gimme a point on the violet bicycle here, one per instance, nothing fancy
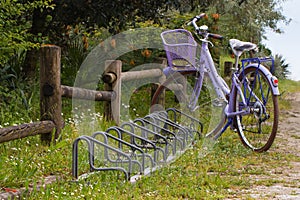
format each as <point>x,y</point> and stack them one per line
<point>249,105</point>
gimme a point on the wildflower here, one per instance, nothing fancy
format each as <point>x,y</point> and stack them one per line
<point>68,28</point>
<point>132,63</point>
<point>216,16</point>
<point>146,53</point>
<point>85,42</point>
<point>76,30</point>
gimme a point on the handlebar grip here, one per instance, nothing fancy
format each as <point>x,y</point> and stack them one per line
<point>215,36</point>
<point>202,15</point>
<point>196,18</point>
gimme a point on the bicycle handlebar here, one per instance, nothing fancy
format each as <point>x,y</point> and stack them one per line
<point>196,19</point>
<point>198,30</point>
<point>215,36</point>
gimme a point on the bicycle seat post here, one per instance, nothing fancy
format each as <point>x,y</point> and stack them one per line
<point>236,64</point>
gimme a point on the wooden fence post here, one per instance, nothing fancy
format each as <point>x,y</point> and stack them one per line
<point>227,68</point>
<point>50,90</point>
<point>112,82</point>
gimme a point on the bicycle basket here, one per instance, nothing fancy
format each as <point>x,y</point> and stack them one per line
<point>180,48</point>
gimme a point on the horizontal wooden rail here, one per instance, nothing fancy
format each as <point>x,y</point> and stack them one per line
<point>133,75</point>
<point>24,130</point>
<point>80,93</point>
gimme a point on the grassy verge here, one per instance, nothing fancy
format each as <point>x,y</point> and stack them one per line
<point>228,167</point>
<point>287,88</point>
<point>193,176</point>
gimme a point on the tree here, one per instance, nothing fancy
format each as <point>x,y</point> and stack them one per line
<point>244,19</point>
<point>14,26</point>
<point>113,15</point>
<point>248,19</point>
<point>281,70</point>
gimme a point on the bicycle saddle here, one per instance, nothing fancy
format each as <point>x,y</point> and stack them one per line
<point>239,47</point>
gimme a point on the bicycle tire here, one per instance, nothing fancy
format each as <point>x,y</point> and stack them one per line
<point>206,112</point>
<point>258,129</point>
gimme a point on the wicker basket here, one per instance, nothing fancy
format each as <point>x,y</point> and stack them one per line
<point>180,48</point>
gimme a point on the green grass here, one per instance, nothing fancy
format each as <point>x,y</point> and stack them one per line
<point>223,170</point>
<point>192,176</point>
<point>287,88</point>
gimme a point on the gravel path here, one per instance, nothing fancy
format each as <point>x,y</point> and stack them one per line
<point>288,173</point>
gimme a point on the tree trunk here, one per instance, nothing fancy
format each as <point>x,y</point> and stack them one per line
<point>32,55</point>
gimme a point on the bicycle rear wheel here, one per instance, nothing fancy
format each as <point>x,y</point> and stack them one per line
<point>178,91</point>
<point>257,130</point>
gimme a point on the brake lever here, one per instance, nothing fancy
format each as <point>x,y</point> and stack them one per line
<point>207,41</point>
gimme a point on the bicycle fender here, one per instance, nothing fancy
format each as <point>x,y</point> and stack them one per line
<point>269,76</point>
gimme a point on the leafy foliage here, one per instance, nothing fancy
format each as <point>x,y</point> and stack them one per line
<point>114,15</point>
<point>25,24</point>
<point>14,25</point>
<point>18,99</point>
<point>281,67</point>
<point>247,20</point>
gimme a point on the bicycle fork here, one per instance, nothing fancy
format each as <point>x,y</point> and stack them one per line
<point>196,91</point>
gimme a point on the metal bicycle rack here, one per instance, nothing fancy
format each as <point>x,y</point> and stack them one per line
<point>138,147</point>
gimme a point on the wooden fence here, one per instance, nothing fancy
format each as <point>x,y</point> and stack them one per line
<point>51,93</point>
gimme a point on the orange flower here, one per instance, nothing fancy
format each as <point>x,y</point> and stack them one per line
<point>146,53</point>
<point>132,62</point>
<point>113,43</point>
<point>85,42</point>
<point>216,16</point>
<point>76,30</point>
<point>68,28</point>
<point>86,46</point>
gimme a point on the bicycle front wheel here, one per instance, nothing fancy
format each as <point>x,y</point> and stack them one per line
<point>257,130</point>
<point>185,92</point>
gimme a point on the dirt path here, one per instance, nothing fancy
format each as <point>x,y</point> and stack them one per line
<point>286,176</point>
